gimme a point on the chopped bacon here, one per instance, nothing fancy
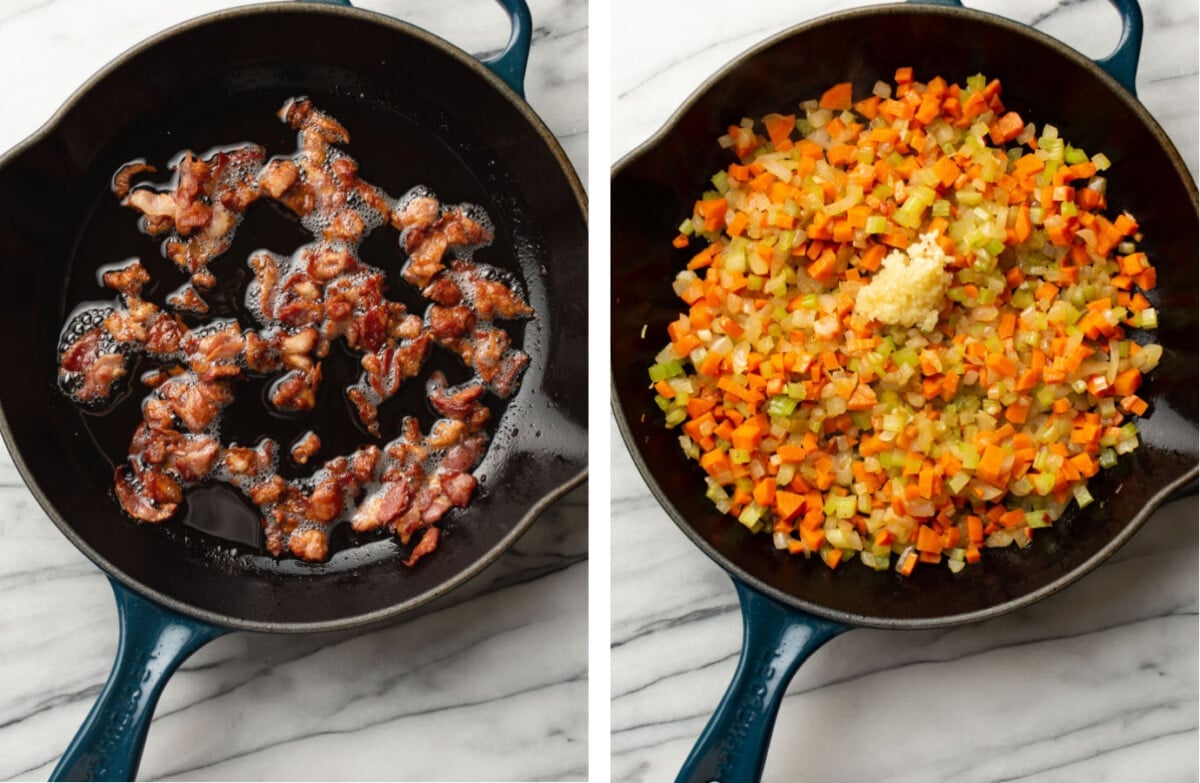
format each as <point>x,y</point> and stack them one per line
<point>322,293</point>
<point>99,377</point>
<point>443,290</point>
<point>419,213</point>
<point>191,401</point>
<point>195,458</point>
<point>296,390</point>
<point>278,176</point>
<point>458,487</point>
<point>326,501</point>
<point>310,544</point>
<point>136,501</point>
<point>427,544</point>
<point>448,323</point>
<point>458,404</point>
<point>304,449</point>
<point>128,279</point>
<point>121,180</point>
<point>494,299</point>
<point>188,300</point>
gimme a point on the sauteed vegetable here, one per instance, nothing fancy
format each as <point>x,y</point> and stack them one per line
<point>908,331</point>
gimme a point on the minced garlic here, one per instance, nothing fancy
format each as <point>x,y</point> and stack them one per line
<point>908,289</point>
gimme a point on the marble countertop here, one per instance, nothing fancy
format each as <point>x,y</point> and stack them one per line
<point>489,683</point>
<point>1098,683</point>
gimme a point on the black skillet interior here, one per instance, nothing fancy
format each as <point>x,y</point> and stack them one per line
<point>654,189</point>
<point>416,115</point>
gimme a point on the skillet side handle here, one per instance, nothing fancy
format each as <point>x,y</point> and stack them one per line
<point>510,64</point>
<point>154,641</point>
<point>1123,62</point>
<point>775,640</point>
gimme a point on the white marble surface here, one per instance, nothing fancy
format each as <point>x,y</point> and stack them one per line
<point>491,684</point>
<point>1098,683</point>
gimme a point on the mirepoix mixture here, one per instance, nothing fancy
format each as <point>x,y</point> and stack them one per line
<point>302,303</point>
<point>906,333</point>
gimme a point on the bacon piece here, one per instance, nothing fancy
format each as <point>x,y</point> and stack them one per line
<point>427,544</point>
<point>443,290</point>
<point>326,501</point>
<point>195,458</point>
<point>121,180</point>
<point>308,445</point>
<point>310,544</point>
<point>135,503</point>
<point>278,176</point>
<point>368,414</point>
<point>425,259</point>
<point>301,115</point>
<point>420,212</point>
<point>494,299</point>
<point>459,404</point>
<point>159,209</point>
<point>448,323</point>
<point>190,400</point>
<point>128,279</point>
<point>458,487</point>
<point>100,376</point>
<point>296,390</point>
<point>188,300</point>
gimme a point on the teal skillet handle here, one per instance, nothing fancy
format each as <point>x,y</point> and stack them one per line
<point>776,639</point>
<point>1123,62</point>
<point>510,63</point>
<point>154,641</point>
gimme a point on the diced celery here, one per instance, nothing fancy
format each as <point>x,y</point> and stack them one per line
<point>1082,496</point>
<point>662,402</point>
<point>876,224</point>
<point>739,456</point>
<point>1101,160</point>
<point>664,370</point>
<point>1074,155</point>
<point>1036,519</point>
<point>720,181</point>
<point>751,516</point>
<point>781,406</point>
<point>1108,458</point>
<point>686,228</point>
<point>676,416</point>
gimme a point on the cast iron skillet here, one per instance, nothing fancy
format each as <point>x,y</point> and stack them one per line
<point>419,111</point>
<point>791,607</point>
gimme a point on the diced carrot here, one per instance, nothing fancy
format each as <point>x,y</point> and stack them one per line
<point>837,97</point>
<point>779,127</point>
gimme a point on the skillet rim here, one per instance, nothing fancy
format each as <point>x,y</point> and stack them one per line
<point>1185,481</point>
<point>519,527</point>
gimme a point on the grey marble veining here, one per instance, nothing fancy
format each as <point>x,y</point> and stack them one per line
<point>1097,683</point>
<point>488,683</point>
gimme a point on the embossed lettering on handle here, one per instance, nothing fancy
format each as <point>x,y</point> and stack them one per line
<point>154,641</point>
<point>776,639</point>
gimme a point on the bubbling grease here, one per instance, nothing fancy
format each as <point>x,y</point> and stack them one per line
<point>301,302</point>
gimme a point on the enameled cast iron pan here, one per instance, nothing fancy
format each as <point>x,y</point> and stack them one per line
<point>419,111</point>
<point>792,606</point>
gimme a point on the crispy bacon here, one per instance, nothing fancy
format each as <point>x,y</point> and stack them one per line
<point>121,180</point>
<point>427,544</point>
<point>128,279</point>
<point>322,293</point>
<point>304,449</point>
